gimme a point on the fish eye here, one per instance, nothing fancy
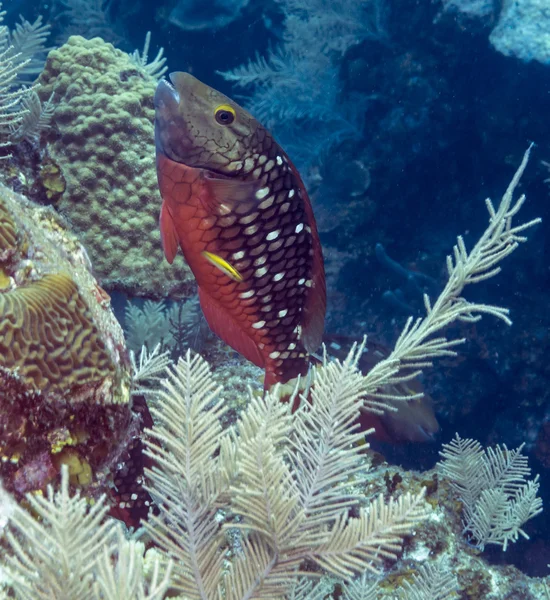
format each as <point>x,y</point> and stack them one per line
<point>225,114</point>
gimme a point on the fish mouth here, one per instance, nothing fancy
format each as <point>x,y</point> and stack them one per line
<point>167,117</point>
<point>166,97</point>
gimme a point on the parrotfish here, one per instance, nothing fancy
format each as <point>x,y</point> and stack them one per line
<point>236,206</point>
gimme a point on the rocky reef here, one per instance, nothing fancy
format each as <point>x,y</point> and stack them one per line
<point>64,373</point>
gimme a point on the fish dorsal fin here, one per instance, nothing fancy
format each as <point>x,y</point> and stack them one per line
<point>224,326</point>
<point>314,315</point>
<point>316,304</point>
<point>223,194</point>
<point>168,234</point>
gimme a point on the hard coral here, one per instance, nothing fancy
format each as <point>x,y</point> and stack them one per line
<point>102,138</point>
<point>48,335</point>
<point>7,233</point>
<point>64,374</point>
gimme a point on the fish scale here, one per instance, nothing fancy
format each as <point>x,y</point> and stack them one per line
<point>262,287</point>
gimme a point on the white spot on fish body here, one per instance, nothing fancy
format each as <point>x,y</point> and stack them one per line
<point>299,227</point>
<point>227,221</point>
<point>301,281</point>
<point>272,235</point>
<point>251,229</point>
<point>260,261</point>
<point>260,272</point>
<point>235,166</point>
<point>290,240</point>
<point>279,160</point>
<point>275,354</point>
<point>258,325</point>
<point>282,313</point>
<point>269,165</point>
<point>247,294</point>
<point>309,283</point>
<point>249,164</point>
<point>248,218</point>
<point>262,193</point>
<point>266,203</point>
<point>238,255</point>
<point>278,276</point>
<point>262,159</point>
<point>291,346</point>
<point>291,193</point>
<point>276,245</point>
<point>257,250</point>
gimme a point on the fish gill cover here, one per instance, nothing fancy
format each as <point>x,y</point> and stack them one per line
<point>399,120</point>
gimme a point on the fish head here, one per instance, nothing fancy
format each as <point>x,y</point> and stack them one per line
<point>201,127</point>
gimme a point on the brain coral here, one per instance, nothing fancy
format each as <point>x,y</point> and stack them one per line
<point>103,140</point>
<point>64,374</point>
<point>7,233</point>
<point>48,334</point>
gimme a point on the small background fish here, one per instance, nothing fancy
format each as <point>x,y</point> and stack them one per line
<point>413,421</point>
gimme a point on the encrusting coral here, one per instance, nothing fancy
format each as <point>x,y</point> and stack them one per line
<point>64,372</point>
<point>101,136</point>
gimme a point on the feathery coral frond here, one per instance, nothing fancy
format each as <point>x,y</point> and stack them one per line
<point>29,43</point>
<point>498,499</point>
<point>120,573</point>
<point>282,483</point>
<point>325,451</point>
<point>266,492</point>
<point>184,479</point>
<point>358,543</point>
<point>431,581</point>
<point>149,367</point>
<point>156,68</point>
<point>55,557</point>
<point>35,120</point>
<point>417,347</point>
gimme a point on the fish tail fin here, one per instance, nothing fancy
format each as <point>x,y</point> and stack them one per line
<point>293,391</point>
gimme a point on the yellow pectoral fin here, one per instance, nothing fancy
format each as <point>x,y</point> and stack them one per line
<point>223,265</point>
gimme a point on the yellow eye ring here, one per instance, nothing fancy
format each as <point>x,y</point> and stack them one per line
<point>225,114</point>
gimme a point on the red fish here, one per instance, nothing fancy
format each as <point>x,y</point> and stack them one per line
<point>236,206</point>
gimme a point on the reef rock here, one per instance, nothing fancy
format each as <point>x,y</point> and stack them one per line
<point>523,30</point>
<point>64,373</point>
<point>102,138</point>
